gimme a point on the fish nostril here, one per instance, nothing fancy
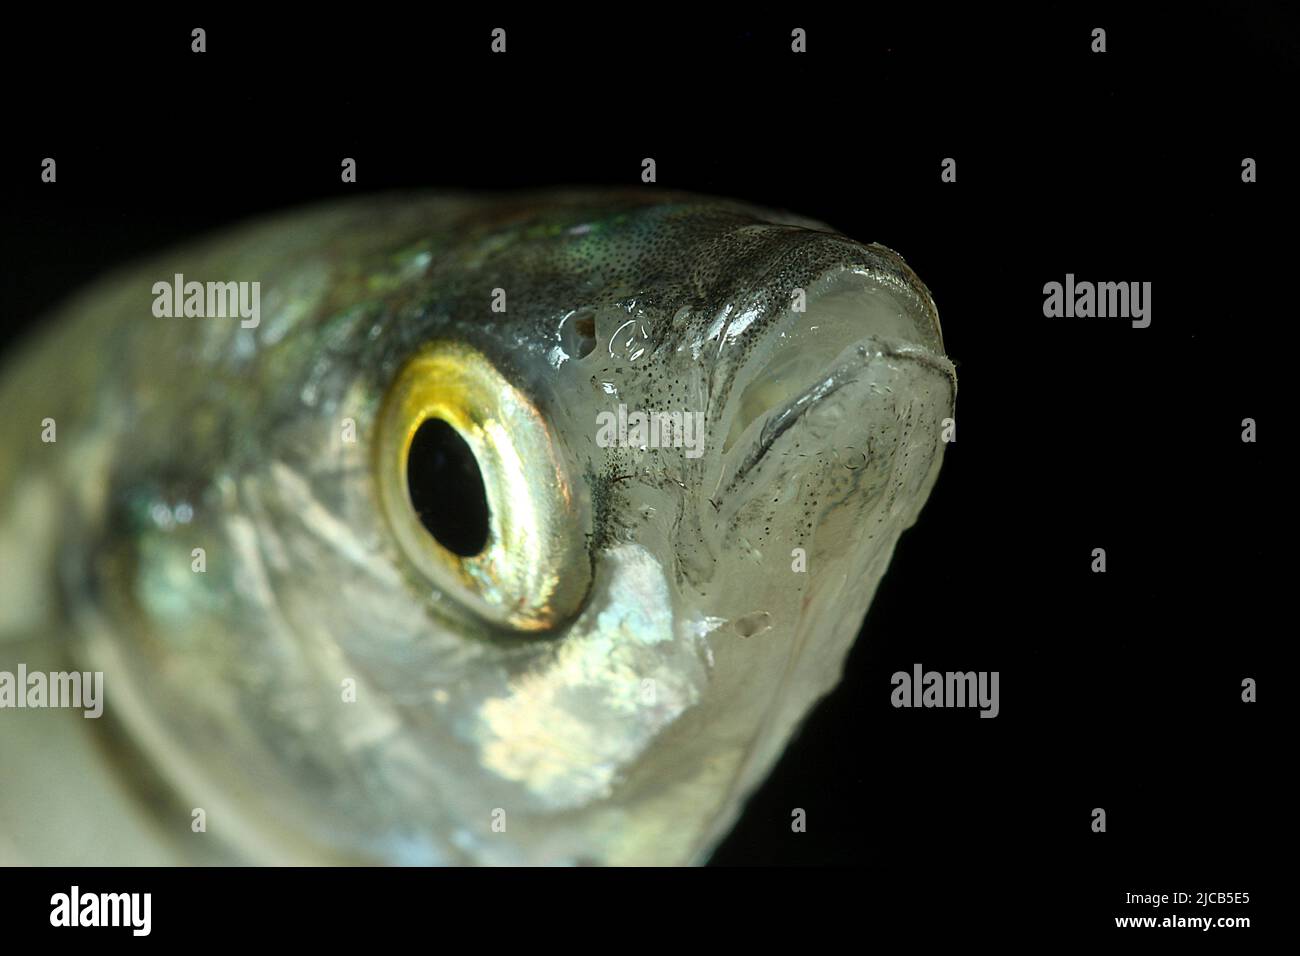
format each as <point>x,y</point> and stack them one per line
<point>446,488</point>
<point>578,333</point>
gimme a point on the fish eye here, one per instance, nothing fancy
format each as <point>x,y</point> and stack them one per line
<point>476,492</point>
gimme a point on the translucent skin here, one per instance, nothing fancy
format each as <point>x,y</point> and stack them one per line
<point>632,730</point>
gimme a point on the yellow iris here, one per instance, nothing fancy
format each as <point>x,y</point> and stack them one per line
<point>533,572</point>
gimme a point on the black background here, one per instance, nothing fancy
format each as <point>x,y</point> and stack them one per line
<point>1118,690</point>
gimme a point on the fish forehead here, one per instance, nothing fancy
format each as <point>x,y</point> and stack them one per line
<point>678,259</point>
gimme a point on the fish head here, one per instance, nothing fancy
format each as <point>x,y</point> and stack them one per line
<point>722,424</point>
<point>553,528</point>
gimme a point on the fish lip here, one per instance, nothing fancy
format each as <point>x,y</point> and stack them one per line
<point>892,268</point>
<point>844,373</point>
<point>776,294</point>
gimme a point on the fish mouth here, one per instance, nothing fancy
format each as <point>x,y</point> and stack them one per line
<point>839,346</point>
<point>854,367</point>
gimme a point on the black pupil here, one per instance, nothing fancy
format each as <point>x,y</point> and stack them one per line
<point>447,488</point>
